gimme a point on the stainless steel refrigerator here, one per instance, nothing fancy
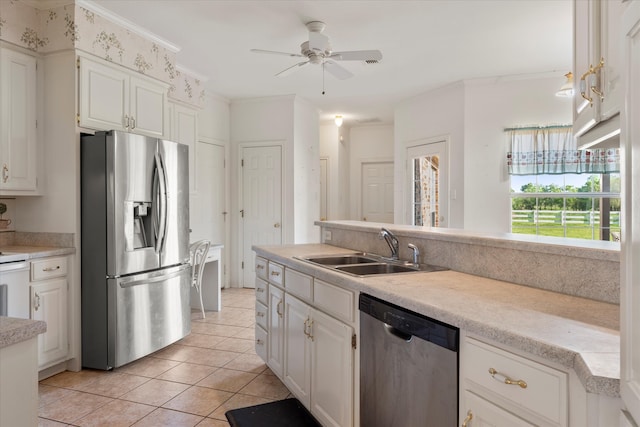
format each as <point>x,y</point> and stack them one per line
<point>135,247</point>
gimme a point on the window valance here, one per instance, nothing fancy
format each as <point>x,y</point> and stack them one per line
<point>553,150</point>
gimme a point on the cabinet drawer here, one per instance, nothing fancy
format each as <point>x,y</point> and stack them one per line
<point>261,268</point>
<point>261,291</point>
<point>333,299</point>
<point>545,393</point>
<point>261,343</point>
<point>299,284</point>
<point>48,268</point>
<point>261,314</point>
<point>276,273</point>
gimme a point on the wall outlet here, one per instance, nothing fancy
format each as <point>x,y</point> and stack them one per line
<point>326,235</point>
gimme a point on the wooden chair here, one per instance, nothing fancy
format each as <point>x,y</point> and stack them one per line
<point>198,252</point>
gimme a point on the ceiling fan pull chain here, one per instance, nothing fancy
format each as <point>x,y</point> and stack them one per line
<point>323,77</point>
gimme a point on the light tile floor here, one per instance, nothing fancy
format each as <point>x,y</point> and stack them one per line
<point>192,382</point>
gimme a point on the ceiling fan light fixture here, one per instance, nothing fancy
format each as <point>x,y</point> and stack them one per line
<point>566,90</point>
<point>338,121</point>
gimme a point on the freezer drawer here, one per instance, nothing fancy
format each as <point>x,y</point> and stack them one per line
<point>151,312</point>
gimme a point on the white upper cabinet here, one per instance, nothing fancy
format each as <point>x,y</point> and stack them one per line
<point>630,248</point>
<point>184,129</point>
<point>18,149</point>
<point>112,97</point>
<point>597,61</point>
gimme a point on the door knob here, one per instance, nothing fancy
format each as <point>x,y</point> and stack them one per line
<point>276,225</point>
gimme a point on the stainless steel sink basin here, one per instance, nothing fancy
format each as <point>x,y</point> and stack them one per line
<point>365,264</point>
<point>341,259</point>
<point>368,269</point>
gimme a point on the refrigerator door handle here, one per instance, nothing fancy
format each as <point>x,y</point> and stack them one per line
<point>153,278</point>
<point>160,192</point>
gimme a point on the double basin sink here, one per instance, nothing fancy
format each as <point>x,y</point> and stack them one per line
<point>364,264</point>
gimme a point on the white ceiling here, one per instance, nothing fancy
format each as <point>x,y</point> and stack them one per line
<point>425,44</point>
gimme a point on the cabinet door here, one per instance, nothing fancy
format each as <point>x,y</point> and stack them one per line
<point>331,370</point>
<point>276,330</point>
<point>104,96</point>
<point>49,304</point>
<point>481,413</point>
<point>586,50</point>
<point>148,107</point>
<point>630,249</point>
<point>297,369</point>
<point>17,121</point>
<point>185,131</point>
<point>611,51</point>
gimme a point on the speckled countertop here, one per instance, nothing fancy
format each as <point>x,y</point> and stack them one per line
<point>23,253</point>
<point>576,333</point>
<point>13,330</point>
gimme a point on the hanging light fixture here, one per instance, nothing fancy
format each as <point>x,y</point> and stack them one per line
<point>338,121</point>
<point>566,90</point>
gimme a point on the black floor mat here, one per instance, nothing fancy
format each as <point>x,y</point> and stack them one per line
<point>283,413</point>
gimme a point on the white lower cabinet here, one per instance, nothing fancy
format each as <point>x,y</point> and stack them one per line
<point>500,388</point>
<point>319,362</point>
<point>49,303</point>
<point>482,413</point>
<point>275,353</point>
<point>310,344</point>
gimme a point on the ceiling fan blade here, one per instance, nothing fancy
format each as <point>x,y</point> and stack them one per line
<point>291,69</point>
<point>338,71</point>
<point>318,42</point>
<point>357,55</point>
<point>273,52</point>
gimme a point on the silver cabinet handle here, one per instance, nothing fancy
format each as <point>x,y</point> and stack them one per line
<point>126,121</point>
<point>278,308</point>
<point>5,173</point>
<point>276,225</point>
<point>133,123</point>
<point>47,269</point>
<point>259,289</point>
<point>36,301</point>
<point>259,342</point>
<point>275,273</point>
<point>260,314</point>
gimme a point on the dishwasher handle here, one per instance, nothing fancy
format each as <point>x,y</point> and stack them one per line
<point>397,333</point>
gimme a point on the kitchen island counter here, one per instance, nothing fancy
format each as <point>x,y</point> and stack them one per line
<point>577,333</point>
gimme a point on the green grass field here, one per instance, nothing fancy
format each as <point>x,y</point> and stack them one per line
<point>557,230</point>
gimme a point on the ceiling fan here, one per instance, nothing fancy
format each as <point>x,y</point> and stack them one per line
<point>317,50</point>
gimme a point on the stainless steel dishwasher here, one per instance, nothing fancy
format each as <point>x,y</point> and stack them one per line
<point>408,367</point>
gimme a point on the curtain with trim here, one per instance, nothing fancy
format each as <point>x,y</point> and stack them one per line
<point>553,150</point>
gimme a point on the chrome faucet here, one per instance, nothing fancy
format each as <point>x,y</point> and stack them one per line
<point>416,253</point>
<point>392,241</point>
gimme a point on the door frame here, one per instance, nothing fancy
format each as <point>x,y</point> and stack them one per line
<point>238,205</point>
<point>326,187</point>
<point>408,178</point>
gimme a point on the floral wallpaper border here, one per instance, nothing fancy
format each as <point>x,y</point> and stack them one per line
<point>73,27</point>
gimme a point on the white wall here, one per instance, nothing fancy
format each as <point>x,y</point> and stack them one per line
<point>306,179</point>
<point>432,115</point>
<point>490,107</point>
<point>372,143</point>
<point>473,114</point>
<point>338,170</point>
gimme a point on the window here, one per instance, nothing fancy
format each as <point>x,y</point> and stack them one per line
<point>559,190</point>
<point>426,194</point>
<point>584,206</point>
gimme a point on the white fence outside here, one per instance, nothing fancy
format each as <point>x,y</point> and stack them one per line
<point>577,218</point>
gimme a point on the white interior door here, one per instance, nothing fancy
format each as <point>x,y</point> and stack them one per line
<point>324,194</point>
<point>428,184</point>
<point>377,192</point>
<point>261,203</point>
